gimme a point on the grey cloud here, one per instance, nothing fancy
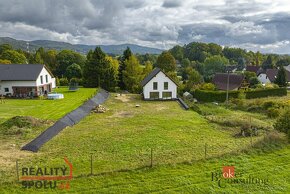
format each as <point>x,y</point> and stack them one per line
<point>250,24</point>
<point>171,3</point>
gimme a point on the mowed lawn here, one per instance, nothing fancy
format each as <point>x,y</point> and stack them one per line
<point>123,137</point>
<point>45,109</point>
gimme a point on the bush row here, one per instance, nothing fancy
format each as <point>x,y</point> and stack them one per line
<point>220,96</point>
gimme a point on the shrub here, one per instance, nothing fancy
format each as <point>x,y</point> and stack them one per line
<point>220,96</point>
<point>196,108</point>
<point>283,123</point>
<point>207,86</point>
<point>63,81</point>
<point>266,92</point>
<point>273,112</point>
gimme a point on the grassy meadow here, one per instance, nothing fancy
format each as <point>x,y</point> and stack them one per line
<point>186,147</point>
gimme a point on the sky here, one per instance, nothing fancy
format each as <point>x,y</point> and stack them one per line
<point>251,24</point>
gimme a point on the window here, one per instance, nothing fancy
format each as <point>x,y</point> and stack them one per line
<point>155,86</point>
<point>6,89</point>
<point>154,95</point>
<point>41,79</point>
<point>46,78</point>
<point>165,85</point>
<point>166,95</point>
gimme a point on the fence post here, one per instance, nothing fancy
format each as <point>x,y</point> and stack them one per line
<point>151,158</point>
<point>91,164</point>
<point>17,170</point>
<point>205,150</point>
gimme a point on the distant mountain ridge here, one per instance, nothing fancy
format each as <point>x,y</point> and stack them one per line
<point>81,48</point>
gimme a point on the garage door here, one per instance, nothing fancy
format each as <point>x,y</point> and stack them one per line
<point>166,95</point>
<point>154,95</point>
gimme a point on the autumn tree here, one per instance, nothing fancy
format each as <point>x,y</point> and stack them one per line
<point>126,55</point>
<point>147,69</point>
<point>14,57</point>
<point>166,62</point>
<point>132,75</point>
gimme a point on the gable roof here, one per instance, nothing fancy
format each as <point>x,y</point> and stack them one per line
<point>20,72</point>
<point>152,74</point>
<point>253,68</point>
<point>221,79</point>
<point>272,74</point>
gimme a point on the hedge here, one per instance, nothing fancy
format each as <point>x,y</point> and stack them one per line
<point>220,96</point>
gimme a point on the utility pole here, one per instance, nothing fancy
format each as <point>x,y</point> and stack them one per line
<point>228,83</point>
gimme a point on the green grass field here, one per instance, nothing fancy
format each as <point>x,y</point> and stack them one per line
<point>45,109</point>
<point>122,139</point>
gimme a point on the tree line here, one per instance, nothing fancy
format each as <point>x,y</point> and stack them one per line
<point>189,65</point>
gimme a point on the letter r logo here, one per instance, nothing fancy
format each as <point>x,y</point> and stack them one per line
<point>228,172</point>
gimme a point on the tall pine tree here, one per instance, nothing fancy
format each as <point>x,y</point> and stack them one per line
<point>98,71</point>
<point>281,78</point>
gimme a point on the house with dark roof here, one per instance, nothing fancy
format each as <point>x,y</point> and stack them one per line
<point>158,86</point>
<point>253,68</point>
<point>220,80</point>
<point>270,75</point>
<point>23,80</point>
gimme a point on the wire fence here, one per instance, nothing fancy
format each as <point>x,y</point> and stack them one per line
<point>103,162</point>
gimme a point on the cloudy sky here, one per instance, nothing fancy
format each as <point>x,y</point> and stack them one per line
<point>252,24</point>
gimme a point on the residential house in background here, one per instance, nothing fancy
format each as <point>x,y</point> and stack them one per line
<point>253,68</point>
<point>270,75</point>
<point>158,86</point>
<point>236,81</point>
<point>23,80</point>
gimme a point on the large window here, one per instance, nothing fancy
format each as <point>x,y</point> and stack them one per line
<point>154,95</point>
<point>6,89</point>
<point>165,85</point>
<point>166,95</point>
<point>155,85</point>
<point>46,78</point>
<point>41,79</point>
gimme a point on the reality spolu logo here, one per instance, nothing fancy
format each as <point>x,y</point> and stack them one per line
<point>229,175</point>
<point>47,178</point>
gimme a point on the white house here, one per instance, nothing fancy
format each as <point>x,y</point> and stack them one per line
<point>158,86</point>
<point>22,80</point>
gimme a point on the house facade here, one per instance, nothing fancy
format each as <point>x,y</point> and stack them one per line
<point>23,80</point>
<point>158,86</point>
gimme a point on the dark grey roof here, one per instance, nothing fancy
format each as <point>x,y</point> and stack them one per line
<point>221,80</point>
<point>272,74</point>
<point>152,74</point>
<point>20,72</point>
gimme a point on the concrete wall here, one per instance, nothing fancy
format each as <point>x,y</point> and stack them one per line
<point>160,78</point>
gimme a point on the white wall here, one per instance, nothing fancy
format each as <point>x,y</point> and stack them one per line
<point>43,73</point>
<point>10,84</point>
<point>160,78</point>
<point>263,78</point>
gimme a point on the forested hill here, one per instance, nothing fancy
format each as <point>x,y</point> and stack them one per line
<point>81,48</point>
